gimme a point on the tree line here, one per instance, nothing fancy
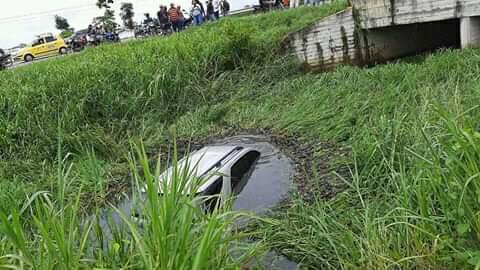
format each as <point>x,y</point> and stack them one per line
<point>107,20</point>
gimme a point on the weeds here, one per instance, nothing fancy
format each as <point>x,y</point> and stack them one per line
<point>106,96</point>
<point>169,231</point>
<point>412,196</point>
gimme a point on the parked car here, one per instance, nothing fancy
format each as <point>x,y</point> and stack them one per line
<point>44,45</point>
<point>222,168</point>
<point>78,41</point>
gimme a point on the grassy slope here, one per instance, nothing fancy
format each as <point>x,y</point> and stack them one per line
<point>412,130</point>
<point>100,99</point>
<point>413,133</point>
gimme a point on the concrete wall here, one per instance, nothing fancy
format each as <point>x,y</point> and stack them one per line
<point>328,42</point>
<point>470,32</point>
<point>393,42</point>
<point>381,13</point>
<point>372,32</point>
<point>470,8</point>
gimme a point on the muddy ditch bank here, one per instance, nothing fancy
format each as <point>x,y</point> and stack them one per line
<point>315,162</point>
<point>286,161</point>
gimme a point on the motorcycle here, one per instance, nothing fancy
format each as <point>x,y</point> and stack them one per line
<point>111,37</point>
<point>154,28</point>
<point>4,60</point>
<point>78,43</point>
<point>165,29</point>
<point>140,31</point>
<point>95,39</point>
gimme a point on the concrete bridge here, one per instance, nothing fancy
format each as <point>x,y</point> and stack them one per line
<point>375,31</point>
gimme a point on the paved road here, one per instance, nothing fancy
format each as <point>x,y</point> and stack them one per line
<point>36,60</point>
<point>44,58</point>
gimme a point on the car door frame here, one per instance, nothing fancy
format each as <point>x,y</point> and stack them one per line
<point>36,49</point>
<point>227,189</point>
<point>51,47</point>
<point>227,176</point>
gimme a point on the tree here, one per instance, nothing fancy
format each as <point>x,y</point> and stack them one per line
<point>104,3</point>
<point>61,23</point>
<point>66,33</point>
<point>107,20</point>
<point>127,15</point>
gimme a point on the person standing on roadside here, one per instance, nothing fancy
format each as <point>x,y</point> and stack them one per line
<point>148,20</point>
<point>210,11</point>
<point>216,9</point>
<point>180,19</point>
<point>163,19</point>
<point>225,7</point>
<point>162,15</point>
<point>197,12</point>
<point>263,6</point>
<point>173,16</point>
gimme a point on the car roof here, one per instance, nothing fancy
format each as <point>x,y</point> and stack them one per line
<point>208,158</point>
<point>45,35</point>
<point>207,163</point>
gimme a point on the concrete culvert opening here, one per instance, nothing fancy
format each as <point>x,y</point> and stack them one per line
<point>388,43</point>
<point>470,31</point>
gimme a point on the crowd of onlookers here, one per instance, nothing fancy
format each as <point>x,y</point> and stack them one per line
<point>177,18</point>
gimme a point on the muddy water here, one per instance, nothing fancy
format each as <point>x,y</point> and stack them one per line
<point>260,190</point>
<point>270,179</point>
<point>264,188</point>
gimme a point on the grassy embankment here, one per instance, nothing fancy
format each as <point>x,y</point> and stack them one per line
<point>65,134</point>
<point>412,200</point>
<point>97,101</point>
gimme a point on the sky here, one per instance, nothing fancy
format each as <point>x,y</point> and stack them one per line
<point>22,20</point>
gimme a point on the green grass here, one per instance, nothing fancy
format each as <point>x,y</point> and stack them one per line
<point>171,232</point>
<point>100,99</point>
<point>411,131</point>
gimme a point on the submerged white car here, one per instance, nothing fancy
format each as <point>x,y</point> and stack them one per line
<point>222,171</point>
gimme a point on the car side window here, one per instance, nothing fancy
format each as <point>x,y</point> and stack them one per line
<point>242,166</point>
<point>50,39</point>
<point>37,42</point>
<point>214,189</point>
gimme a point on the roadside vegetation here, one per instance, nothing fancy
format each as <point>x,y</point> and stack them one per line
<point>412,132</point>
<point>411,194</point>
